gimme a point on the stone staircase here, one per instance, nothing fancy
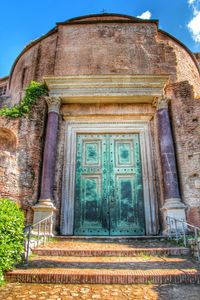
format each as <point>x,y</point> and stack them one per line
<point>108,261</point>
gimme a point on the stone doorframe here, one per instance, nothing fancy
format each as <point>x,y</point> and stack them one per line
<point>123,89</point>
<point>105,125</point>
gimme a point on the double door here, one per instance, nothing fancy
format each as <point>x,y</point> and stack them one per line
<point>108,186</point>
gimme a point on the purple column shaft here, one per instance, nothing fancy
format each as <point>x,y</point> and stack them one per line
<point>171,187</point>
<point>49,157</point>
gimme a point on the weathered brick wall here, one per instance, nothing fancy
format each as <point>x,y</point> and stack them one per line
<point>197,55</point>
<point>20,166</point>
<point>185,116</point>
<point>104,48</point>
<point>186,69</point>
<point>3,84</point>
<point>8,165</point>
<point>33,65</point>
<point>112,49</point>
<point>4,81</point>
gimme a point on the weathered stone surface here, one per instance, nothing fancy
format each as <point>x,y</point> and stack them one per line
<point>20,164</point>
<point>171,188</point>
<point>46,291</point>
<point>185,116</point>
<point>105,45</point>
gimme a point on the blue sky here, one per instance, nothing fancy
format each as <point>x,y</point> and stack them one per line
<point>23,20</point>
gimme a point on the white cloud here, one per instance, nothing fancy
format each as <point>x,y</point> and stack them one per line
<point>194,27</point>
<point>191,1</point>
<point>145,15</point>
<point>194,24</point>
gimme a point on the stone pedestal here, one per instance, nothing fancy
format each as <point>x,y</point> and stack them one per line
<point>45,206</point>
<point>173,207</point>
<point>42,210</point>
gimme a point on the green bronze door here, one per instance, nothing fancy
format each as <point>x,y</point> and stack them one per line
<point>108,189</point>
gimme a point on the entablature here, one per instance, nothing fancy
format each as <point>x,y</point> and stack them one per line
<point>107,88</point>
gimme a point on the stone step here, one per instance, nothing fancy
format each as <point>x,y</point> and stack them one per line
<point>91,244</point>
<point>104,276</point>
<point>107,263</point>
<point>174,251</point>
<point>112,262</point>
<point>111,238</point>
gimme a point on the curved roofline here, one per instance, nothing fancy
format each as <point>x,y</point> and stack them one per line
<point>76,20</point>
<point>131,18</point>
<point>4,78</point>
<point>183,45</point>
<point>27,47</point>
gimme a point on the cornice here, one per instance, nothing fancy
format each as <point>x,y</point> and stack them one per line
<point>107,88</point>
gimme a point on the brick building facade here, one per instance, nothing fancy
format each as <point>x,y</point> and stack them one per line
<point>115,147</point>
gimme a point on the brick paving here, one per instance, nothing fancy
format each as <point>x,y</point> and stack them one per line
<point>14,291</point>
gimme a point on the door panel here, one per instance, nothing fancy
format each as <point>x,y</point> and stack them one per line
<point>109,193</point>
<point>126,204</point>
<point>91,207</point>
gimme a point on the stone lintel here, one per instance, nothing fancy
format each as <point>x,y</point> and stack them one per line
<point>107,88</point>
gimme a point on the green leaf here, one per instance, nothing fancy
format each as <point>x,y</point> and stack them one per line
<point>11,234</point>
<point>32,92</point>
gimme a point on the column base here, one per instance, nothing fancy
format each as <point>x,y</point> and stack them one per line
<point>43,209</point>
<point>174,208</point>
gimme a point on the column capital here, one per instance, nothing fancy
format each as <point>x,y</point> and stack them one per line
<point>53,104</point>
<point>161,102</point>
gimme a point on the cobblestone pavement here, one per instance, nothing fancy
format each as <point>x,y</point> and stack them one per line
<point>15,291</point>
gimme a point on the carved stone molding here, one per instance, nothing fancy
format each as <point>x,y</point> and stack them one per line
<point>107,88</point>
<point>106,125</point>
<point>161,102</point>
<point>53,104</point>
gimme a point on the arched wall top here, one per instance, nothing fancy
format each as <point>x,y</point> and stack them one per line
<point>182,45</point>
<point>106,17</point>
<point>100,18</point>
<point>8,140</point>
<point>29,46</point>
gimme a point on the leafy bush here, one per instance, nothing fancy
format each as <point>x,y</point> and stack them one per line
<point>33,91</point>
<point>1,278</point>
<point>11,234</point>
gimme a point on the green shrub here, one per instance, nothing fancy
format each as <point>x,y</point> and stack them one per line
<point>33,91</point>
<point>1,278</point>
<point>11,234</point>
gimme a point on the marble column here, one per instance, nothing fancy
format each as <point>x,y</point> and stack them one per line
<point>45,206</point>
<point>172,200</point>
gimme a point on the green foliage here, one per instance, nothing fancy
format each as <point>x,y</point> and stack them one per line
<point>11,234</point>
<point>33,91</point>
<point>2,282</point>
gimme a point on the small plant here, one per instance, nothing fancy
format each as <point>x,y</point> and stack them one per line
<point>179,241</point>
<point>33,91</point>
<point>11,235</point>
<point>1,279</point>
